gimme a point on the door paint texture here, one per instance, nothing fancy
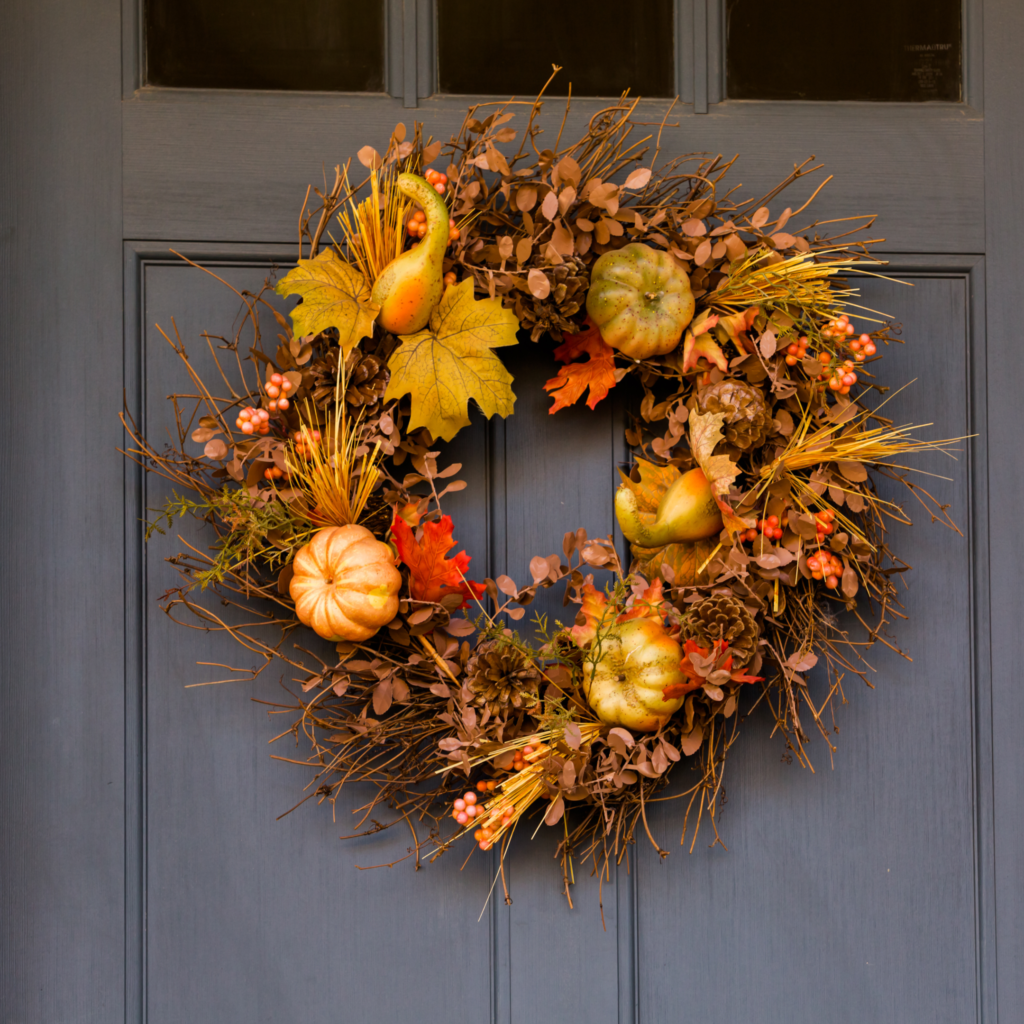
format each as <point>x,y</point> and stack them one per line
<point>144,875</point>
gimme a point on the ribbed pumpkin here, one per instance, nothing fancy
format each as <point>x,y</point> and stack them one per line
<point>640,300</point>
<point>345,584</point>
<point>636,661</point>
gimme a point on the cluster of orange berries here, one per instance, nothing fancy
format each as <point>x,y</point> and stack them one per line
<point>823,522</point>
<point>843,378</point>
<point>253,421</point>
<point>304,440</point>
<point>796,351</point>
<point>770,527</point>
<point>273,473</point>
<point>277,384</point>
<point>826,566</point>
<point>437,179</point>
<point>416,226</point>
<point>863,347</point>
<point>466,808</point>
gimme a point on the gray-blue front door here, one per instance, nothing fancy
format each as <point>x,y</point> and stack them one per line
<point>145,877</point>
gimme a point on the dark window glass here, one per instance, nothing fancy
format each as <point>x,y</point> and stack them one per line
<point>882,50</point>
<point>508,48</point>
<point>331,45</point>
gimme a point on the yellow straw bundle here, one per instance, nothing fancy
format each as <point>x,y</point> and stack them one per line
<point>375,228</point>
<point>336,476</point>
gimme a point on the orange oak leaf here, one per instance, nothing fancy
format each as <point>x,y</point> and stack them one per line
<point>735,327</point>
<point>695,679</point>
<point>594,609</point>
<point>649,605</point>
<point>698,343</point>
<point>432,576</point>
<point>597,373</point>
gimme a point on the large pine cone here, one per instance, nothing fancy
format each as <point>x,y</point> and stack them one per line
<point>747,417</point>
<point>367,379</point>
<point>501,679</point>
<point>366,373</point>
<point>723,617</point>
<point>553,315</point>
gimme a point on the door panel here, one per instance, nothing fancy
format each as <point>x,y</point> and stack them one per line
<point>852,888</point>
<point>247,917</point>
<point>850,894</point>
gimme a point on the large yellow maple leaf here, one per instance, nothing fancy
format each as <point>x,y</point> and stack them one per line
<point>452,361</point>
<point>334,294</point>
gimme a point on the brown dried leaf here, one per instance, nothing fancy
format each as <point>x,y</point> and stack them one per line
<point>369,157</point>
<point>760,217</point>
<point>853,471</point>
<point>638,178</point>
<point>539,285</point>
<point>549,207</point>
<point>703,253</point>
<point>215,449</point>
<point>690,743</point>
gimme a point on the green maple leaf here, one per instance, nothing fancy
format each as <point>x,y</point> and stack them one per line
<point>334,294</point>
<point>452,361</point>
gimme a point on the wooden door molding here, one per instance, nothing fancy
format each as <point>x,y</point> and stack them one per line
<point>506,551</point>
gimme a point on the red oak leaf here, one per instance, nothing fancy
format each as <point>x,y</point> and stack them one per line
<point>432,576</point>
<point>696,680</point>
<point>597,373</point>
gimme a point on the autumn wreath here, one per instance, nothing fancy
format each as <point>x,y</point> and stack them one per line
<point>750,512</point>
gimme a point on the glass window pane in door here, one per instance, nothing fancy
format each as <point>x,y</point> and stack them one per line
<point>874,50</point>
<point>603,47</point>
<point>318,45</point>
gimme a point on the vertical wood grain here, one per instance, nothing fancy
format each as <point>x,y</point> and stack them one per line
<point>61,531</point>
<point>248,917</point>
<point>851,893</point>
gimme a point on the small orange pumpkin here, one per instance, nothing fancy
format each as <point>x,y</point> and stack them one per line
<point>345,584</point>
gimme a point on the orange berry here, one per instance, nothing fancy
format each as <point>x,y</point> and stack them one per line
<point>247,428</point>
<point>283,403</point>
<point>439,188</point>
<point>276,378</point>
<point>791,360</point>
<point>469,797</point>
<point>832,582</point>
<point>825,358</point>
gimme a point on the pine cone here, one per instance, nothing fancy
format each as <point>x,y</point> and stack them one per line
<point>367,379</point>
<point>500,678</point>
<point>553,314</point>
<point>747,416</point>
<point>724,617</point>
<point>324,373</point>
<point>366,371</point>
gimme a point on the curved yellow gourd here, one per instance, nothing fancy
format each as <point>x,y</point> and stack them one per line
<point>687,512</point>
<point>410,286</point>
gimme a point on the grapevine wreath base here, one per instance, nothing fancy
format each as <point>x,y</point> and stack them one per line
<point>750,506</point>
